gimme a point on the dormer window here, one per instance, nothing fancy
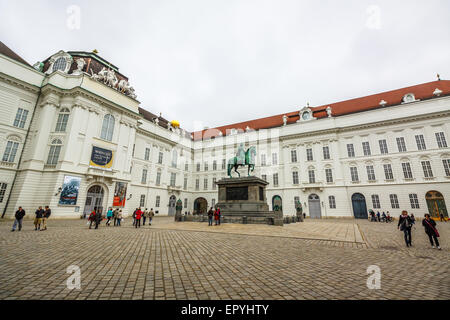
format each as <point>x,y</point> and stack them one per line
<point>60,64</point>
<point>407,98</point>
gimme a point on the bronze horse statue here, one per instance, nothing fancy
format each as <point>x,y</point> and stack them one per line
<point>249,161</point>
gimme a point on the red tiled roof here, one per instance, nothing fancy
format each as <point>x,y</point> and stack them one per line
<point>11,54</point>
<point>421,92</point>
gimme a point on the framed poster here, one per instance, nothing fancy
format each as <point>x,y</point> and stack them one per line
<point>101,158</point>
<point>69,192</point>
<point>120,194</point>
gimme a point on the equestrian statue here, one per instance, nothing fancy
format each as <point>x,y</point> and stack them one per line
<point>243,158</point>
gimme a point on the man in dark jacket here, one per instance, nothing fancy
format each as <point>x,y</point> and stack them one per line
<point>47,213</point>
<point>38,219</point>
<point>19,216</point>
<point>210,216</point>
<point>431,231</point>
<point>405,224</point>
<point>98,218</point>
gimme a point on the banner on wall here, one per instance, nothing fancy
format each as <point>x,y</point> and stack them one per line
<point>69,192</point>
<point>120,194</point>
<point>101,158</point>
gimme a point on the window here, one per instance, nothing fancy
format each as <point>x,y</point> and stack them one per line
<point>296,199</point>
<point>370,173</point>
<point>354,174</point>
<point>160,157</point>
<point>63,118</point>
<point>275,179</point>
<point>198,167</point>
<point>21,118</point>
<point>147,154</point>
<point>440,138</point>
<point>326,153</point>
<point>263,160</point>
<point>407,172</point>
<point>309,155</point>
<point>174,158</point>
<point>274,159</point>
<point>142,201</point>
<point>312,176</point>
<point>206,166</point>
<point>185,202</point>
<point>197,184</point>
<point>394,201</point>
<point>53,154</point>
<point>388,172</point>
<point>186,167</point>
<point>401,145</point>
<point>158,201</point>
<point>264,177</point>
<point>205,184</point>
<point>293,155</point>
<point>376,201</point>
<point>214,186</point>
<point>10,152</point>
<point>295,177</point>
<point>60,64</point>
<point>144,176</point>
<point>215,165</point>
<point>158,178</point>
<point>173,179</point>
<point>107,127</point>
<point>420,141</point>
<point>350,150</point>
<point>2,191</point>
<point>366,148</point>
<point>332,201</point>
<point>426,166</point>
<point>414,201</point>
<point>329,175</point>
<point>383,146</point>
<point>185,183</point>
<point>224,164</point>
<point>213,202</point>
<point>446,163</point>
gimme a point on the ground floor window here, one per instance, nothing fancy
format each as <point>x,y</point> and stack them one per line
<point>185,203</point>
<point>376,201</point>
<point>332,201</point>
<point>142,201</point>
<point>414,201</point>
<point>158,201</point>
<point>394,201</point>
<point>2,191</point>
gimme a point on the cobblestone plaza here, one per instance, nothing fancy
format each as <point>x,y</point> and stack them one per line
<point>317,259</point>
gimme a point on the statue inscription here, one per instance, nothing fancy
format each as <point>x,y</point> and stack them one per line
<point>237,193</point>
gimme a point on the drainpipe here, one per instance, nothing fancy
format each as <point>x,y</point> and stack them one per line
<point>23,148</point>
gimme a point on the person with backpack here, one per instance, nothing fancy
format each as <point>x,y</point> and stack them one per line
<point>119,218</point>
<point>47,213</point>
<point>405,224</point>
<point>18,221</point>
<point>145,216</point>
<point>151,214</point>
<point>431,231</point>
<point>210,217</point>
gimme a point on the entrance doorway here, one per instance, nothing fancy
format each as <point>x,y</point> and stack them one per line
<point>436,204</point>
<point>200,206</point>
<point>172,203</point>
<point>277,203</point>
<point>315,212</point>
<point>359,206</point>
<point>94,200</point>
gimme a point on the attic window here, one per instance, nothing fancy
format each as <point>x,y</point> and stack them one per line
<point>60,64</point>
<point>407,98</point>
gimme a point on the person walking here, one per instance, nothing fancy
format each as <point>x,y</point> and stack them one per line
<point>98,218</point>
<point>383,217</point>
<point>431,231</point>
<point>92,217</point>
<point>219,213</point>
<point>210,217</point>
<point>38,219</point>
<point>378,216</point>
<point>20,213</point>
<point>441,216</point>
<point>145,216</point>
<point>47,213</point>
<point>405,225</point>
<point>109,216</point>
<point>115,215</point>
<point>119,218</point>
<point>413,219</point>
<point>138,218</point>
<point>216,217</point>
<point>151,214</point>
<point>134,216</point>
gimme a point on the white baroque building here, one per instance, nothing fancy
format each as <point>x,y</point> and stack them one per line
<point>73,136</point>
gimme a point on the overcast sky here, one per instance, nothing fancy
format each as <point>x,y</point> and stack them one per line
<point>212,63</point>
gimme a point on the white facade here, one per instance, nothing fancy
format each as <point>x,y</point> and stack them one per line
<point>67,111</point>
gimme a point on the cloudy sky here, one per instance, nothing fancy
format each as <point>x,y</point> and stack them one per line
<point>211,63</point>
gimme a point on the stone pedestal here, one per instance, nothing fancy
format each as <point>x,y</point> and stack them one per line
<point>243,200</point>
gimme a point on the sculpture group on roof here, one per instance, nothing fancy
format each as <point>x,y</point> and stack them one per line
<point>108,77</point>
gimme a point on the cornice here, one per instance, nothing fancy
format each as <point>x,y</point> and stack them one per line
<point>19,83</point>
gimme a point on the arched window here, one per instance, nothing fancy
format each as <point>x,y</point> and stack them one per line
<point>53,154</point>
<point>63,117</point>
<point>60,64</point>
<point>108,127</point>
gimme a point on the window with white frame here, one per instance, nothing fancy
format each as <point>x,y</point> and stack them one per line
<point>295,177</point>
<point>274,159</point>
<point>198,166</point>
<point>186,167</point>
<point>173,179</point>
<point>388,174</point>
<point>197,184</point>
<point>309,154</point>
<point>158,178</point>
<point>10,151</point>
<point>440,138</point>
<point>446,163</point>
<point>420,141</point>
<point>383,146</point>
<point>147,154</point>
<point>407,172</point>
<point>21,118</point>
<point>414,201</point>
<point>332,202</point>
<point>214,165</point>
<point>205,183</point>
<point>264,177</point>
<point>142,201</point>
<point>427,171</point>
<point>401,145</point>
<point>174,158</point>
<point>376,201</point>
<point>53,154</point>
<point>160,157</point>
<point>63,118</point>
<point>214,186</point>
<point>275,179</point>
<point>107,127</point>
<point>60,64</point>
<point>394,201</point>
<point>206,166</point>
<point>293,155</point>
<point>224,164</point>
<point>329,175</point>
<point>326,153</point>
<point>185,183</point>
<point>3,187</point>
<point>354,174</point>
<point>158,201</point>
<point>366,148</point>
<point>185,203</point>
<point>263,160</point>
<point>350,150</point>
<point>144,176</point>
<point>312,176</point>
<point>370,173</point>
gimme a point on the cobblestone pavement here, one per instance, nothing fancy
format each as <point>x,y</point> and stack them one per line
<point>165,261</point>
